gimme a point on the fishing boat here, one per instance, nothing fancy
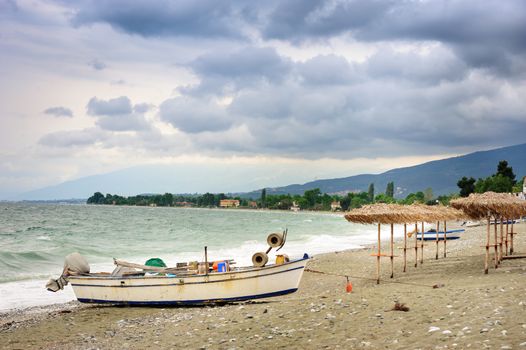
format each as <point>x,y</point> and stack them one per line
<point>471,223</point>
<point>504,222</point>
<point>431,235</point>
<point>193,284</point>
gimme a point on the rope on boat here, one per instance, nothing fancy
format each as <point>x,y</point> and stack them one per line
<point>369,278</point>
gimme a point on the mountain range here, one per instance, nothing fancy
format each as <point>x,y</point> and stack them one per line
<point>441,175</point>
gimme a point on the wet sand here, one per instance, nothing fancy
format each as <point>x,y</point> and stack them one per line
<point>469,310</point>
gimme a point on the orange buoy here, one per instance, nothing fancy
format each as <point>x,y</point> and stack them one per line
<point>349,286</point>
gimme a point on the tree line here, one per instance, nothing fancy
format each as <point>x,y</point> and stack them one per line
<point>502,181</point>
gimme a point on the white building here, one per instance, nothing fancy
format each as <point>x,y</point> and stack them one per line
<point>522,195</point>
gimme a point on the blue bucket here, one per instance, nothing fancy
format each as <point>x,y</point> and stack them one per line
<point>222,266</point>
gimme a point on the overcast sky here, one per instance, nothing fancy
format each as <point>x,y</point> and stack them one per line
<point>321,88</point>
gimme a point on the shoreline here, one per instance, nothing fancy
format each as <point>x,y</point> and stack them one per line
<point>366,246</point>
<point>468,310</point>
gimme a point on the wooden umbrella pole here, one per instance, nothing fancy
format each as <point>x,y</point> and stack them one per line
<point>501,240</point>
<point>445,238</point>
<point>405,247</point>
<point>416,245</point>
<point>486,260</point>
<point>496,244</point>
<point>422,245</point>
<point>392,251</point>
<point>511,234</point>
<point>378,258</point>
<point>206,260</point>
<point>438,228</point>
<point>507,235</point>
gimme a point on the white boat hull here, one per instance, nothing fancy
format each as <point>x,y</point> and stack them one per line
<point>254,283</point>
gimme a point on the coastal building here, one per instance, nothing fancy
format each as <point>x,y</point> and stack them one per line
<point>229,203</point>
<point>335,206</point>
<point>522,195</point>
<point>252,204</point>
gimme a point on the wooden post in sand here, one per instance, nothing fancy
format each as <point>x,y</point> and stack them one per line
<point>445,238</point>
<point>378,258</point>
<point>501,241</point>
<point>438,228</point>
<point>206,260</point>
<point>422,245</point>
<point>405,247</point>
<point>416,244</point>
<point>486,260</point>
<point>496,245</point>
<point>392,251</point>
<point>511,237</point>
<point>507,235</point>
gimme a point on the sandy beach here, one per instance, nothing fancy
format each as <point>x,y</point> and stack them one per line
<point>468,310</point>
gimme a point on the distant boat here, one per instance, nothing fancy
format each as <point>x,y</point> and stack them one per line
<point>492,222</point>
<point>471,223</point>
<point>431,235</point>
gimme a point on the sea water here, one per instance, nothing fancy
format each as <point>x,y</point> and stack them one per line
<point>35,238</point>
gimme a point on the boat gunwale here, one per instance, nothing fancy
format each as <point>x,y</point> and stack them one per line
<point>214,274</point>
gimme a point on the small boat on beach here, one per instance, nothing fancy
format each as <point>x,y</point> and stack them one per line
<point>471,223</point>
<point>192,284</point>
<point>173,289</point>
<point>431,235</point>
<point>504,222</point>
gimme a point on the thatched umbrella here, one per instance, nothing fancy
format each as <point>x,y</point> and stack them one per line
<point>382,214</point>
<point>490,204</point>
<point>395,214</point>
<point>439,213</point>
<point>402,214</point>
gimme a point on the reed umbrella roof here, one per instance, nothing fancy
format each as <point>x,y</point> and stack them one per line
<point>380,213</point>
<point>483,205</point>
<point>400,214</point>
<point>438,213</point>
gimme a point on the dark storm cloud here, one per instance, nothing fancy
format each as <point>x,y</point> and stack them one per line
<point>233,70</point>
<point>249,62</point>
<point>328,70</point>
<point>298,20</point>
<point>438,75</point>
<point>440,65</point>
<point>208,18</point>
<point>59,111</point>
<point>489,34</point>
<point>501,23</point>
<point>194,116</point>
<point>393,103</point>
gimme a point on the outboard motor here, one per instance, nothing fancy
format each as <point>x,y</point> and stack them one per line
<point>74,264</point>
